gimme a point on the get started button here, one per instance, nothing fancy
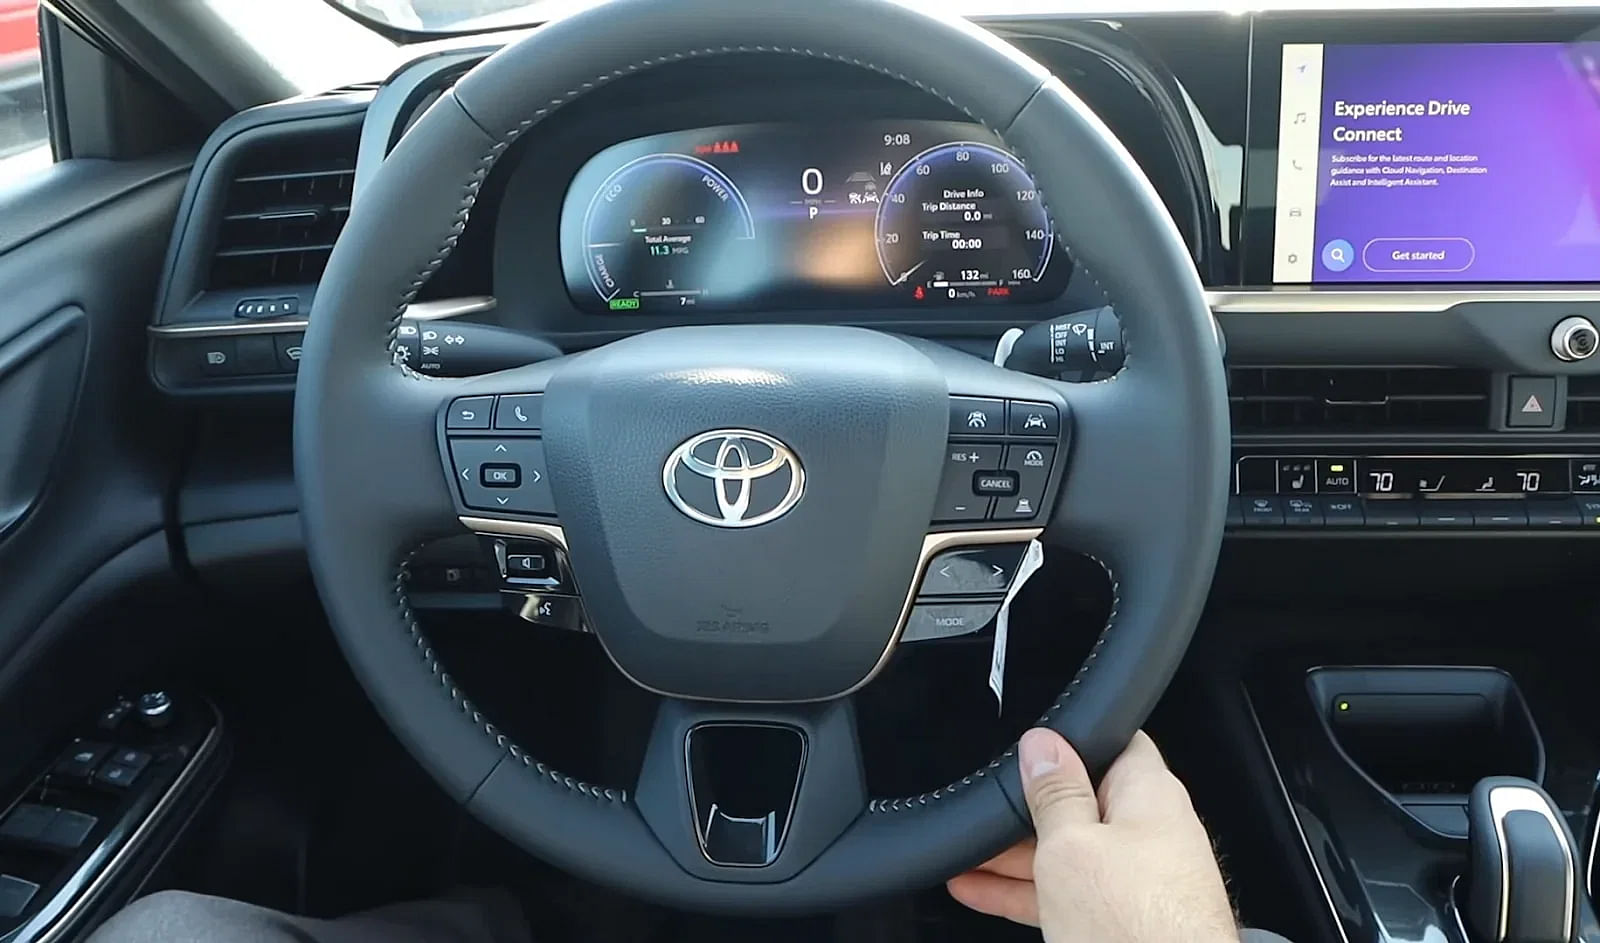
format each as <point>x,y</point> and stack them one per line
<point>1435,254</point>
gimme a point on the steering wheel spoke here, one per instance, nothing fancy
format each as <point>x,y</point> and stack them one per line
<point>751,794</point>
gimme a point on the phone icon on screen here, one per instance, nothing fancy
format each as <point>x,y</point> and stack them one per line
<point>1295,163</point>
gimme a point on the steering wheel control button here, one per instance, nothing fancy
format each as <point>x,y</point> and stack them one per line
<point>948,620</point>
<point>521,413</point>
<point>470,412</point>
<point>1031,465</point>
<point>1302,512</point>
<point>501,475</point>
<point>555,611</point>
<point>972,416</point>
<point>1531,403</point>
<point>1032,419</point>
<point>478,462</point>
<point>80,759</point>
<point>1263,512</point>
<point>1002,483</point>
<point>974,571</point>
<point>957,501</point>
<point>1343,512</point>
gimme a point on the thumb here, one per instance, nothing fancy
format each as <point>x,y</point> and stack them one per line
<point>1055,782</point>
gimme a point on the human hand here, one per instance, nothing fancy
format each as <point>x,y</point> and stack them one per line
<point>1131,865</point>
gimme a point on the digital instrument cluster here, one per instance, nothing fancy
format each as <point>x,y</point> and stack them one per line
<point>794,215</point>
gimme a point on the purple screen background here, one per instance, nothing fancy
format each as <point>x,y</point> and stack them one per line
<point>1535,124</point>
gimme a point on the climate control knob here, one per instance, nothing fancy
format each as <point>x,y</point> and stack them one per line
<point>1575,338</point>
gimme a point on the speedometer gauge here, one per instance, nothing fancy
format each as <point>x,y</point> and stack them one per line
<point>963,220</point>
<point>664,229</point>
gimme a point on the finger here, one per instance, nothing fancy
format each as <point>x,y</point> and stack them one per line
<point>1140,786</point>
<point>1014,862</point>
<point>1055,782</point>
<point>1017,901</point>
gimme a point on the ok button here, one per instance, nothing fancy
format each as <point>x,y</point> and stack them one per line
<point>1440,254</point>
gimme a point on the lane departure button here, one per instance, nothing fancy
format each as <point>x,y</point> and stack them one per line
<point>1031,463</point>
<point>1034,419</point>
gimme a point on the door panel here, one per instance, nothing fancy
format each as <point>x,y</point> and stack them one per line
<point>87,447</point>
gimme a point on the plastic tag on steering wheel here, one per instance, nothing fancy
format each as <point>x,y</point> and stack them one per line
<point>1031,561</point>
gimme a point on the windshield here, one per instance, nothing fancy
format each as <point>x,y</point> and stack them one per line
<point>451,15</point>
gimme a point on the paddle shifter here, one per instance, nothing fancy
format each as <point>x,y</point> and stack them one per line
<point>1522,880</point>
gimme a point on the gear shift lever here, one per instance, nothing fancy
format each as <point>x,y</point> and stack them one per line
<point>1523,882</point>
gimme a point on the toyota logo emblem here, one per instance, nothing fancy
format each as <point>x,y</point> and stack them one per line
<point>747,473</point>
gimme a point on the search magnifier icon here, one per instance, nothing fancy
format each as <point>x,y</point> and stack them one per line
<point>1337,254</point>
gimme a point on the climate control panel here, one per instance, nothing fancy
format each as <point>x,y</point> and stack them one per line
<point>1439,492</point>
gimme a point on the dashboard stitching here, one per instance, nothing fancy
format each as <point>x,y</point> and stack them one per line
<point>470,191</point>
<point>920,801</point>
<point>448,685</point>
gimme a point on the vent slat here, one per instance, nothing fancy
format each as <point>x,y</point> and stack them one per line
<point>1299,400</point>
<point>285,207</point>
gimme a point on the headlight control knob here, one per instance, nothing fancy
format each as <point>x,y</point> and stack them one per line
<point>1575,338</point>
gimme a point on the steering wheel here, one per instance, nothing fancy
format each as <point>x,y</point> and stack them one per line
<point>829,440</point>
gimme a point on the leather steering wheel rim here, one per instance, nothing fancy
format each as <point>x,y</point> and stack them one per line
<point>1144,490</point>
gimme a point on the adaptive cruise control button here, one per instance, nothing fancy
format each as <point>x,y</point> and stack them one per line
<point>957,501</point>
<point>504,474</point>
<point>973,571</point>
<point>948,620</point>
<point>972,416</point>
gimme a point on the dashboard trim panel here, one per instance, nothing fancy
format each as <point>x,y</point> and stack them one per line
<point>1424,301</point>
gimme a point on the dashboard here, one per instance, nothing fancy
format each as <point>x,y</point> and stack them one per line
<point>1394,213</point>
<point>804,215</point>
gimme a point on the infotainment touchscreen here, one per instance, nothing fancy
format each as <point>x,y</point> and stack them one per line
<point>1438,162</point>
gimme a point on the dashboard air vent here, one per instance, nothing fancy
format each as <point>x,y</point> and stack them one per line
<point>1583,403</point>
<point>285,206</point>
<point>1302,400</point>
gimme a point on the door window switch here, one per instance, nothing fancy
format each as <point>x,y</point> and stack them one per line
<point>116,776</point>
<point>26,822</point>
<point>79,760</point>
<point>68,830</point>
